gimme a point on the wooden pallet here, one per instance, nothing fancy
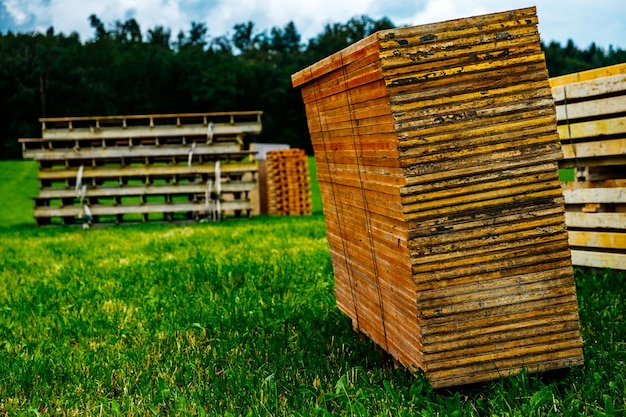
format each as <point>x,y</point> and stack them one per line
<point>590,108</point>
<point>162,167</point>
<point>288,183</point>
<point>436,151</point>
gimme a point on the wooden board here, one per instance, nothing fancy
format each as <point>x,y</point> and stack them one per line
<point>436,149</point>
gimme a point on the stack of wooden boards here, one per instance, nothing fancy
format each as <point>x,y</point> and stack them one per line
<point>591,114</point>
<point>288,183</point>
<point>150,167</point>
<point>436,150</point>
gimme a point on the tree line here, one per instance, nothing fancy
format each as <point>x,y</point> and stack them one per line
<point>123,70</point>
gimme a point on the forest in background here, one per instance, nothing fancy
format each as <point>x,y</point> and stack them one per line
<point>123,70</point>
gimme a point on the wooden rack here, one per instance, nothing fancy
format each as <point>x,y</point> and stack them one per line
<point>591,113</point>
<point>436,148</point>
<point>129,168</point>
<point>288,183</point>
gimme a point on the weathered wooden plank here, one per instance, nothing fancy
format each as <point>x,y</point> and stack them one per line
<point>595,149</point>
<point>589,89</point>
<point>593,128</point>
<point>218,151</point>
<point>457,28</point>
<point>599,259</point>
<point>595,195</point>
<point>150,170</point>
<point>595,108</point>
<point>595,239</point>
<point>104,210</point>
<point>592,74</point>
<point>595,220</point>
<point>150,189</point>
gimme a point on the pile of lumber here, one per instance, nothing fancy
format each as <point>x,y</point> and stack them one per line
<point>288,183</point>
<point>169,167</point>
<point>591,108</point>
<point>436,150</point>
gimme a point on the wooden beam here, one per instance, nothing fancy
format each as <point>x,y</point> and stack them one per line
<point>218,150</point>
<point>591,108</point>
<point>595,195</point>
<point>595,220</point>
<point>593,239</point>
<point>594,149</point>
<point>613,126</point>
<point>150,170</point>
<point>198,130</point>
<point>104,210</point>
<point>588,90</point>
<point>599,259</point>
<point>588,75</point>
<point>153,189</point>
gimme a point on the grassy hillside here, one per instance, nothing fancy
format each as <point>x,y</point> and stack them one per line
<point>236,318</point>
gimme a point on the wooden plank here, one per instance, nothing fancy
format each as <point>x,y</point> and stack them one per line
<point>150,170</point>
<point>592,74</point>
<point>588,89</point>
<point>199,130</point>
<point>593,128</point>
<point>595,195</point>
<point>146,117</point>
<point>599,259</point>
<point>594,239</point>
<point>595,220</point>
<point>457,28</point>
<point>218,151</point>
<point>594,108</point>
<point>595,149</point>
<point>152,189</point>
<point>104,210</point>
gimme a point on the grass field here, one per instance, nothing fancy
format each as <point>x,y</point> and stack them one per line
<point>235,319</point>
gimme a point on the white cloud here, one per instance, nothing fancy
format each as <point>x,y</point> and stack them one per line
<point>600,21</point>
<point>18,10</point>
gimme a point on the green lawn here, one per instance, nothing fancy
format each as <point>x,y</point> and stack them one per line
<point>236,318</point>
<point>18,185</point>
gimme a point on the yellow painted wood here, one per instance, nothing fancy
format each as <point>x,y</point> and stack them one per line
<point>595,149</point>
<point>595,239</point>
<point>592,128</point>
<point>592,74</point>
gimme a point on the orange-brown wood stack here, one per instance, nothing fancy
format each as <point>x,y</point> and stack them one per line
<point>436,150</point>
<point>288,183</point>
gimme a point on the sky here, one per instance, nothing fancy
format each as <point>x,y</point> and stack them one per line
<point>602,22</point>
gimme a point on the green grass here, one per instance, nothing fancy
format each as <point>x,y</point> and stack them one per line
<point>238,318</point>
<point>18,185</point>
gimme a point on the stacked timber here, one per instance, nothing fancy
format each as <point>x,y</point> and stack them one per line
<point>154,167</point>
<point>288,183</point>
<point>436,150</point>
<point>591,114</point>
